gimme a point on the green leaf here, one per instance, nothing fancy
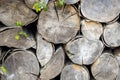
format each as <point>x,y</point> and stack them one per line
<point>38,6</point>
<point>23,34</point>
<point>4,70</point>
<point>61,3</point>
<point>17,37</point>
<point>19,23</point>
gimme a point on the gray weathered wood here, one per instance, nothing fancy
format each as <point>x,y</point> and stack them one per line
<point>44,50</point>
<point>91,30</point>
<point>71,1</point>
<point>58,26</point>
<point>105,67</point>
<point>12,11</point>
<point>84,51</point>
<point>21,65</point>
<point>111,34</point>
<point>8,38</point>
<point>100,10</point>
<point>74,72</point>
<point>54,66</point>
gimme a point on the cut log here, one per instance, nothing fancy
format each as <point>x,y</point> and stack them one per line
<point>111,34</point>
<point>44,50</point>
<point>54,66</point>
<point>8,38</point>
<point>91,30</point>
<point>30,3</point>
<point>74,72</point>
<point>100,10</point>
<point>58,25</point>
<point>12,11</point>
<point>21,65</point>
<point>83,51</point>
<point>105,67</point>
<point>117,54</point>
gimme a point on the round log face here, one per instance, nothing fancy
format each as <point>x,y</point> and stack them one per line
<point>8,39</point>
<point>21,65</point>
<point>100,10</point>
<point>12,11</point>
<point>54,66</point>
<point>106,67</point>
<point>112,34</point>
<point>83,51</point>
<point>58,25</point>
<point>91,30</point>
<point>74,72</point>
<point>44,50</point>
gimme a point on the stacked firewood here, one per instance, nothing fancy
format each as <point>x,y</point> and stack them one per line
<point>79,40</point>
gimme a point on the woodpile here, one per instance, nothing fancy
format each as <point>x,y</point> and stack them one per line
<point>59,40</point>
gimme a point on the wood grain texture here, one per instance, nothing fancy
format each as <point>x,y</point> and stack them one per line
<point>100,10</point>
<point>84,51</point>
<point>21,65</point>
<point>12,11</point>
<point>105,67</point>
<point>91,30</point>
<point>58,25</point>
<point>111,34</point>
<point>44,51</point>
<point>74,72</point>
<point>8,38</point>
<point>54,66</point>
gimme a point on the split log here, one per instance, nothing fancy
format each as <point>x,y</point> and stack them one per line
<point>12,11</point>
<point>91,30</point>
<point>30,3</point>
<point>84,51</point>
<point>44,50</point>
<point>111,34</point>
<point>21,65</point>
<point>58,25</point>
<point>54,66</point>
<point>100,10</point>
<point>74,72</point>
<point>8,38</point>
<point>105,67</point>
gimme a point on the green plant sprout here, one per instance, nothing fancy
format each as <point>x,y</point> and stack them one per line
<point>21,33</point>
<point>40,5</point>
<point>3,69</point>
<point>19,23</point>
<point>60,3</point>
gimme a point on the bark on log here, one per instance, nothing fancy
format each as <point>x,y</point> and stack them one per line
<point>111,34</point>
<point>117,54</point>
<point>45,50</point>
<point>54,66</point>
<point>91,30</point>
<point>105,67</point>
<point>21,65</point>
<point>58,25</point>
<point>12,11</point>
<point>83,51</point>
<point>8,38</point>
<point>74,72</point>
<point>100,10</point>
